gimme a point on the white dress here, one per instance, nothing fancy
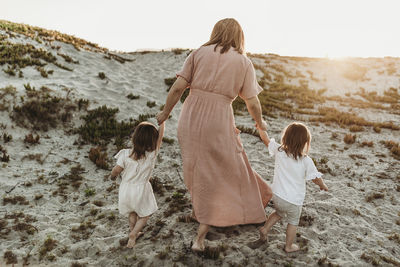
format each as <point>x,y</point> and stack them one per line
<point>135,191</point>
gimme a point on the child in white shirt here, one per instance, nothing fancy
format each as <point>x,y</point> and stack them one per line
<point>292,169</point>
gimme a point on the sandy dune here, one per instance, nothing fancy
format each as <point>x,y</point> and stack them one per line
<point>342,227</point>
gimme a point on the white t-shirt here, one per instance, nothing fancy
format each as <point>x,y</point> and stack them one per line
<point>290,175</point>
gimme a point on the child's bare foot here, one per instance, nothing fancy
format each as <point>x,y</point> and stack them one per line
<point>292,248</point>
<point>132,239</point>
<point>131,242</point>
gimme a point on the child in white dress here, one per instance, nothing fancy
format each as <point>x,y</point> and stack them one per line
<point>136,197</point>
<point>292,169</point>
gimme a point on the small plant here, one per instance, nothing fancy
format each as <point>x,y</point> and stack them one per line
<point>178,51</point>
<point>102,75</point>
<point>368,144</point>
<point>10,257</point>
<point>349,139</point>
<point>37,197</point>
<point>157,185</point>
<point>356,212</point>
<point>21,200</point>
<point>5,157</point>
<point>167,140</point>
<point>374,196</point>
<point>83,103</point>
<point>7,137</point>
<point>9,71</point>
<point>377,129</point>
<point>48,245</point>
<point>151,104</point>
<point>68,58</point>
<point>90,192</point>
<point>356,128</point>
<point>98,157</point>
<point>98,203</point>
<point>395,237</point>
<point>43,72</point>
<point>185,95</point>
<point>132,96</point>
<point>394,148</point>
<point>31,139</point>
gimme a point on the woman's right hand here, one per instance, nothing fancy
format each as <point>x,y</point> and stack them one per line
<point>161,117</point>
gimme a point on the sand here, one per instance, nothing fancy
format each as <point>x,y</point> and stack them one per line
<point>338,227</point>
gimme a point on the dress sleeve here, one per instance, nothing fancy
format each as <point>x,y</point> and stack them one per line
<point>311,170</point>
<point>120,157</point>
<point>187,70</point>
<point>273,147</point>
<point>250,87</point>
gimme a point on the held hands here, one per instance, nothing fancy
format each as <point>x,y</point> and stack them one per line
<point>262,126</point>
<point>161,117</point>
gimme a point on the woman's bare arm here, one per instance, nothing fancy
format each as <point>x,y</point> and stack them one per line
<point>254,108</point>
<point>173,97</point>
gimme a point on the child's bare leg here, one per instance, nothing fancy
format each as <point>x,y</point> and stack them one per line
<point>134,234</point>
<point>133,217</point>
<point>290,236</point>
<point>198,244</point>
<point>272,219</point>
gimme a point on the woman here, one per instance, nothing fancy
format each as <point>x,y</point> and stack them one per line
<point>224,189</point>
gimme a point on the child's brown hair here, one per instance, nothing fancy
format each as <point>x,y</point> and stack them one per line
<point>296,137</point>
<point>144,139</point>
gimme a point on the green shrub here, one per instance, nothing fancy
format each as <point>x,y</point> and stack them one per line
<point>100,126</point>
<point>132,96</point>
<point>151,104</point>
<point>42,111</point>
<point>102,75</point>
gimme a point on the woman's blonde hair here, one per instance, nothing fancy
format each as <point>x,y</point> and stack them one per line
<point>227,33</point>
<point>296,140</point>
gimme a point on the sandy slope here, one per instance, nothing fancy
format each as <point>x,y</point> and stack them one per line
<point>341,225</point>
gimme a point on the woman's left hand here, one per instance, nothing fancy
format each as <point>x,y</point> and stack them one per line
<point>161,117</point>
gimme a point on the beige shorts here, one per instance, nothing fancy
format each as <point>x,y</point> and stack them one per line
<point>287,210</point>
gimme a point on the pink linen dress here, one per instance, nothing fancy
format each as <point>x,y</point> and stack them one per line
<point>224,188</point>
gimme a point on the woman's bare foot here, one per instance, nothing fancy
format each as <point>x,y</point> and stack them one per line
<point>292,248</point>
<point>263,234</point>
<point>197,246</point>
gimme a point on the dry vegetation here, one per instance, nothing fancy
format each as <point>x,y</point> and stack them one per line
<point>98,157</point>
<point>48,36</point>
<point>42,111</point>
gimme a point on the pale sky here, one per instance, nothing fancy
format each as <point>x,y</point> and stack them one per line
<point>316,28</point>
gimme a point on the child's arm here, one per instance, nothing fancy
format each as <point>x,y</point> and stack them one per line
<point>320,183</point>
<point>160,135</point>
<point>264,136</point>
<point>116,171</point>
